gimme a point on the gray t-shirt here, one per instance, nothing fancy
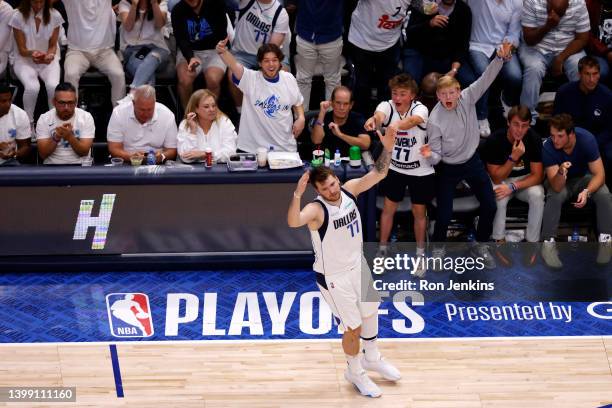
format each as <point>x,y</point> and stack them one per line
<point>453,134</point>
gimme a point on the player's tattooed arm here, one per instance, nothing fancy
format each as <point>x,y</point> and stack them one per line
<point>382,164</point>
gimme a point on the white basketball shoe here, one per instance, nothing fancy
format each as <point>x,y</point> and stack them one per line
<point>382,367</point>
<point>362,382</point>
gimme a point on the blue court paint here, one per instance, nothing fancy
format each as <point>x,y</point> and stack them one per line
<point>116,370</point>
<point>280,304</point>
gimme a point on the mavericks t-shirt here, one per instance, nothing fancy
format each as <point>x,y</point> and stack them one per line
<point>267,116</point>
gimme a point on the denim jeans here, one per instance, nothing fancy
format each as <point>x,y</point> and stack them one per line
<point>448,176</point>
<point>511,75</point>
<point>143,70</point>
<point>535,65</point>
<point>418,65</point>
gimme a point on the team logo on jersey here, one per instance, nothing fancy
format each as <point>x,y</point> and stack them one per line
<point>269,106</point>
<point>129,315</point>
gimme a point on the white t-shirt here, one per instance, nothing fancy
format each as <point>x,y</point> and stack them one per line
<point>376,24</point>
<point>91,24</point>
<point>159,132</point>
<point>15,125</point>
<point>36,40</point>
<point>82,125</point>
<point>267,116</point>
<point>255,26</point>
<point>6,12</point>
<point>406,157</point>
<point>221,138</point>
<point>144,31</point>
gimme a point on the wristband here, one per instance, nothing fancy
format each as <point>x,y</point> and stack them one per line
<point>588,192</point>
<point>296,196</point>
<point>319,123</point>
<point>511,159</point>
<point>513,187</point>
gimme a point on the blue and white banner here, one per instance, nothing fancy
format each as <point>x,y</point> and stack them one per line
<point>262,304</point>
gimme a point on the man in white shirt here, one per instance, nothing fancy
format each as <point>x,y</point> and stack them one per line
<point>15,129</point>
<point>271,97</point>
<point>141,126</point>
<point>91,41</point>
<point>65,134</point>
<point>555,33</point>
<point>258,22</point>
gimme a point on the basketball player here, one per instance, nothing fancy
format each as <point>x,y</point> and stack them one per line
<point>335,227</point>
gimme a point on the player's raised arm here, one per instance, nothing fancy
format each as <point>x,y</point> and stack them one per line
<point>309,214</point>
<point>357,186</point>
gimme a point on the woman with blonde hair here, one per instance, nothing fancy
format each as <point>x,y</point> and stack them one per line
<point>205,126</point>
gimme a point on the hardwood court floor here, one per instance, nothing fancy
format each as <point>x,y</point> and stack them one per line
<point>553,372</point>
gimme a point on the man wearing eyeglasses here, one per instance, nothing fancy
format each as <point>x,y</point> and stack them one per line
<point>65,134</point>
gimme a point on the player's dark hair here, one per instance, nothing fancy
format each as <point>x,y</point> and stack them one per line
<point>65,87</point>
<point>404,81</point>
<point>342,88</point>
<point>266,48</point>
<point>588,62</point>
<point>5,88</point>
<point>562,121</point>
<point>520,111</point>
<point>320,174</point>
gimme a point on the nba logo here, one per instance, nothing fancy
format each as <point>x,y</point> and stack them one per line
<point>129,315</point>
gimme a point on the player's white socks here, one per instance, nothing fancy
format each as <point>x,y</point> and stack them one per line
<point>354,364</point>
<point>420,251</point>
<point>369,332</point>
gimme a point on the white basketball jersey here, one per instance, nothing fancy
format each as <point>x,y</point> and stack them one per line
<point>338,244</point>
<point>406,157</point>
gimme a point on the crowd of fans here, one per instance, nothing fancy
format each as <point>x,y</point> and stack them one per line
<point>394,47</point>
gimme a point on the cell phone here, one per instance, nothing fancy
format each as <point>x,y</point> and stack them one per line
<point>142,52</point>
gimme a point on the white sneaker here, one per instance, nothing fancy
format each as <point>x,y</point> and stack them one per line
<point>551,255</point>
<point>126,99</point>
<point>604,253</point>
<point>420,270</point>
<point>363,383</point>
<point>484,127</point>
<point>382,367</point>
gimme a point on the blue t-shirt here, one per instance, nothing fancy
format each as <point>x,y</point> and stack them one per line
<point>585,151</point>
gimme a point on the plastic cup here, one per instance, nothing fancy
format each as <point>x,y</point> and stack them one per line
<point>117,161</point>
<point>87,161</point>
<point>429,7</point>
<point>136,160</point>
<point>262,156</point>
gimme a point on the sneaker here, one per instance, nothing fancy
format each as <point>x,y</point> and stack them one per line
<point>362,382</point>
<point>438,252</point>
<point>421,269</point>
<point>126,99</point>
<point>505,107</point>
<point>502,252</point>
<point>604,253</point>
<point>551,255</point>
<point>382,367</point>
<point>484,127</point>
<point>481,250</point>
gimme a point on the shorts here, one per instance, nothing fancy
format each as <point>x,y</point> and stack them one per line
<point>209,59</point>
<point>250,60</point>
<point>345,296</point>
<point>421,188</point>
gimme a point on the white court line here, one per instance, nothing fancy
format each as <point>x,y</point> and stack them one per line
<point>272,341</point>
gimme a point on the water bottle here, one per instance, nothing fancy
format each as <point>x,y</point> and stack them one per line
<point>327,157</point>
<point>471,237</point>
<point>151,157</point>
<point>337,158</point>
<point>575,238</point>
